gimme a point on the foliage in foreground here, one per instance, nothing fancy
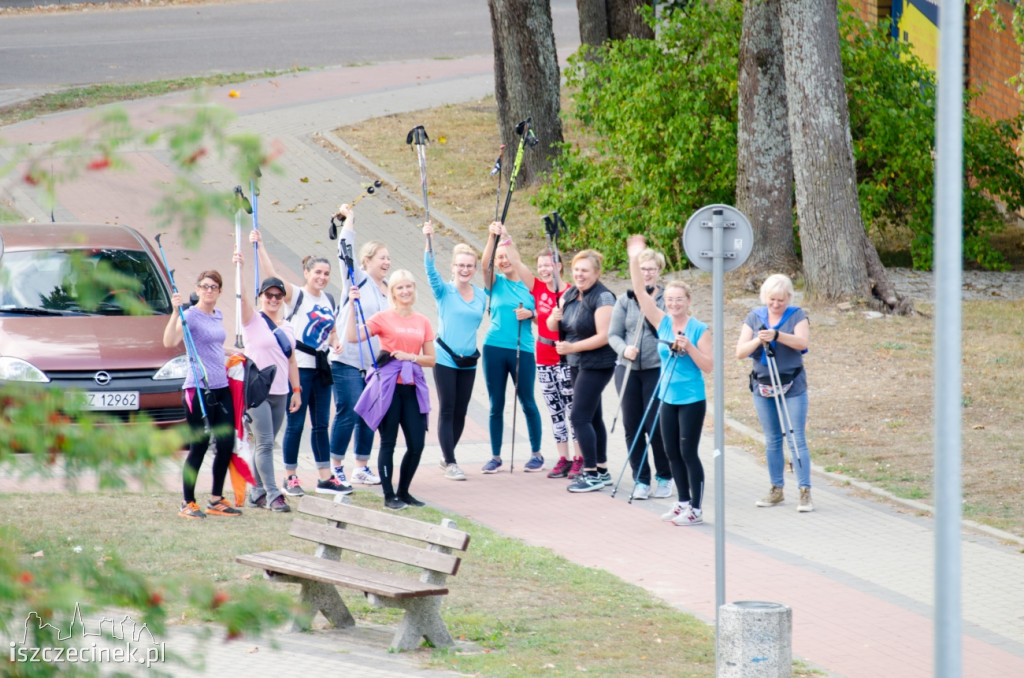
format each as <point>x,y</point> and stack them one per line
<point>659,117</point>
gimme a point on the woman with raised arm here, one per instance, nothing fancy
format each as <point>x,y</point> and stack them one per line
<point>508,348</point>
<point>350,360</point>
<point>553,372</point>
<point>396,393</point>
<point>269,340</point>
<point>460,308</point>
<point>584,316</point>
<point>635,341</point>
<point>311,315</point>
<point>787,331</point>
<point>686,351</point>
<point>206,327</point>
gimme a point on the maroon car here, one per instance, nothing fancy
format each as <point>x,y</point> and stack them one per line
<point>73,337</point>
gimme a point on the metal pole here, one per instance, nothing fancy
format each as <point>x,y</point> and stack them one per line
<point>718,293</point>
<point>948,347</point>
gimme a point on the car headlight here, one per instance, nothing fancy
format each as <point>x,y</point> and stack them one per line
<point>16,369</point>
<point>175,368</point>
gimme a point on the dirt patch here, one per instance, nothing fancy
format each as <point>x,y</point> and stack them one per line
<point>870,376</point>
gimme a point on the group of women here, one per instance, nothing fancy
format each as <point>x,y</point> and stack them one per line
<point>370,349</point>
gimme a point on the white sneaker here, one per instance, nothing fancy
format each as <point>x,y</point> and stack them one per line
<point>662,489</point>
<point>676,510</point>
<point>453,472</point>
<point>641,491</point>
<point>364,476</point>
<point>690,516</point>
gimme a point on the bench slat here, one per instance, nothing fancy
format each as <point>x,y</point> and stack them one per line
<point>375,520</point>
<point>340,574</point>
<point>375,546</point>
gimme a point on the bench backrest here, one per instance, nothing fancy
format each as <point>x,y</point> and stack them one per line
<point>439,540</point>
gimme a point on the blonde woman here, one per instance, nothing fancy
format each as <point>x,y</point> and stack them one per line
<point>396,394</point>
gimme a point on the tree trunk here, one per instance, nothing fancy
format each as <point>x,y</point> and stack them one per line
<point>832,237</point>
<point>624,21</point>
<point>593,16</point>
<point>764,167</point>
<point>526,81</point>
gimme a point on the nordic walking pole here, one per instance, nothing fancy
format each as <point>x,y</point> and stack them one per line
<point>497,171</point>
<point>418,137</point>
<point>515,395</point>
<point>190,348</point>
<point>781,407</point>
<point>629,368</point>
<point>242,204</point>
<point>254,191</point>
<point>357,307</point>
<point>332,231</point>
<point>650,403</point>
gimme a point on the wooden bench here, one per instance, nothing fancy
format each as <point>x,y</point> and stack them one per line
<point>319,574</point>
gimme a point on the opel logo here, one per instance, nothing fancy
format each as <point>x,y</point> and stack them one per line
<point>102,378</point>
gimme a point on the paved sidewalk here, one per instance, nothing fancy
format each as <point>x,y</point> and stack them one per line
<point>858,573</point>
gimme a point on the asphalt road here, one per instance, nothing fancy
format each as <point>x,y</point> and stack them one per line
<point>49,51</point>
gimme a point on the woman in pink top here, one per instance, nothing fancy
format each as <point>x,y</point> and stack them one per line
<point>396,393</point>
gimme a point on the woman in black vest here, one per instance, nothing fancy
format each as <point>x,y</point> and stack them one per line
<point>584,315</point>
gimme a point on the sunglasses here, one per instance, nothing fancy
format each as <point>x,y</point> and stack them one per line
<point>209,288</point>
<point>274,295</point>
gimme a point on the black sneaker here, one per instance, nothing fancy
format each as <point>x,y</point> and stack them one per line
<point>411,500</point>
<point>395,504</point>
<point>586,483</point>
<point>279,505</point>
<point>332,486</point>
<point>255,503</point>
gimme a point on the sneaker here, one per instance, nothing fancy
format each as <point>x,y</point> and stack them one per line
<point>453,472</point>
<point>443,464</point>
<point>221,508</point>
<point>536,463</point>
<point>279,505</point>
<point>586,483</point>
<point>561,469</point>
<point>339,473</point>
<point>679,508</point>
<point>662,488</point>
<point>190,510</point>
<point>255,503</point>
<point>641,491</point>
<point>292,487</point>
<point>605,476</point>
<point>332,486</point>
<point>773,497</point>
<point>411,500</point>
<point>577,468</point>
<point>690,516</point>
<point>395,504</point>
<point>365,476</point>
<point>805,501</point>
<point>492,465</point>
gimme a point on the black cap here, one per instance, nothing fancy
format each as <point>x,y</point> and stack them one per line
<point>272,282</point>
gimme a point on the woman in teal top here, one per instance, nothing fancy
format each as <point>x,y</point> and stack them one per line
<point>686,352</point>
<point>460,308</point>
<point>508,348</point>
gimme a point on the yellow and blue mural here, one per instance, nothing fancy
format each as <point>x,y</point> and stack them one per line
<point>917,22</point>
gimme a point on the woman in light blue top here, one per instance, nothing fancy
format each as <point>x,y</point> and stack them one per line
<point>460,308</point>
<point>685,347</point>
<point>508,348</point>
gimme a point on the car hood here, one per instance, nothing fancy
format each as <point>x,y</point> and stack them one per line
<point>87,342</point>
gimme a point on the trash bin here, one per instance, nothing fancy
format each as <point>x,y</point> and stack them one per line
<point>755,640</point>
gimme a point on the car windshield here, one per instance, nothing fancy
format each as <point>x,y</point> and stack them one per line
<point>45,282</point>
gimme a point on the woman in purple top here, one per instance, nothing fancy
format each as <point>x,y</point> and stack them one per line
<point>206,327</point>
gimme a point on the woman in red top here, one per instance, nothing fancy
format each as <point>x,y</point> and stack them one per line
<point>396,393</point>
<point>552,369</point>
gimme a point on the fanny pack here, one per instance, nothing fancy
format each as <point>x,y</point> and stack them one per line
<point>460,360</point>
<point>323,363</point>
<point>763,385</point>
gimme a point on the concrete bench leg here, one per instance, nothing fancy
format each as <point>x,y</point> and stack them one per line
<point>422,619</point>
<point>318,596</point>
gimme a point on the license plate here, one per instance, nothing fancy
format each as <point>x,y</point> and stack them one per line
<point>112,400</point>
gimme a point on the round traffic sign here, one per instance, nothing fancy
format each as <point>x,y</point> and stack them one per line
<point>737,237</point>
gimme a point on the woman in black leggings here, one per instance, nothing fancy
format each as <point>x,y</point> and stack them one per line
<point>585,314</point>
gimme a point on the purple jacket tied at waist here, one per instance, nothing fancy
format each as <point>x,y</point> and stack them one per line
<point>380,389</point>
